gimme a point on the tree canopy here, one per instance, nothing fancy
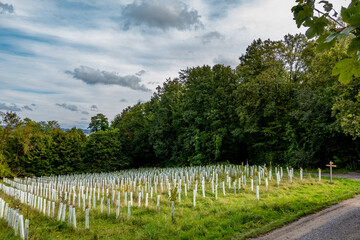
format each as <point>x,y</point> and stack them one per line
<point>99,122</point>
<point>282,105</point>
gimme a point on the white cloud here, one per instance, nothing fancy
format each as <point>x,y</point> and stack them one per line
<point>47,38</point>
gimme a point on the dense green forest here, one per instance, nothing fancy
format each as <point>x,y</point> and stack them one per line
<point>281,104</point>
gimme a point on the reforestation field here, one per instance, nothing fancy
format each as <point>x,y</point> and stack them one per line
<point>241,212</point>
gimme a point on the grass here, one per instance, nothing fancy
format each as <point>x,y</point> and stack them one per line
<point>228,217</point>
<point>334,170</point>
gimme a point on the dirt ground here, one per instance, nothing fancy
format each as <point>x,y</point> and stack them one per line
<point>338,222</point>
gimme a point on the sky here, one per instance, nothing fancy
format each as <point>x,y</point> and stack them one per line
<point>68,60</point>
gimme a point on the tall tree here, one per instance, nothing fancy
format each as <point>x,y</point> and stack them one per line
<point>134,126</point>
<point>208,114</point>
<point>103,152</point>
<point>265,96</point>
<point>164,111</point>
<point>98,122</point>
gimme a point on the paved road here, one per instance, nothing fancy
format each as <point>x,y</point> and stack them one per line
<point>338,222</point>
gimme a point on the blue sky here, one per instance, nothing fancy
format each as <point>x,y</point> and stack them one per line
<point>68,60</point>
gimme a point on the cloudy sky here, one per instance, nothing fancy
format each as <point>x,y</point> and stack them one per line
<point>68,60</point>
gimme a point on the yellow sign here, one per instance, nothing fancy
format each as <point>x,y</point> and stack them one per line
<point>331,164</point>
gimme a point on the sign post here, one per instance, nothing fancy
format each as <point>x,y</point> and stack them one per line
<point>331,166</point>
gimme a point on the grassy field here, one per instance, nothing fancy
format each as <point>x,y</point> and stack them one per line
<point>228,217</point>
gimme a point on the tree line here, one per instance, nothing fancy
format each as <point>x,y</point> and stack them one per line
<point>280,105</point>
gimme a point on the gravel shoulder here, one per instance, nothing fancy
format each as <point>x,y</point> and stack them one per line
<point>340,221</point>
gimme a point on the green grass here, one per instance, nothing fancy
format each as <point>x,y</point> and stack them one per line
<point>334,170</point>
<point>228,217</point>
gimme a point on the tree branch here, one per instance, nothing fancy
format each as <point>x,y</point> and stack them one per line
<point>327,15</point>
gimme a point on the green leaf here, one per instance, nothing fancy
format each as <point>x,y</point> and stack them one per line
<point>339,34</point>
<point>345,14</point>
<point>317,26</point>
<point>354,45</point>
<point>346,31</point>
<point>302,14</point>
<point>351,15</point>
<point>331,37</point>
<point>310,33</point>
<point>327,6</point>
<point>340,66</point>
<point>322,45</point>
<point>346,69</point>
<point>345,77</point>
<point>356,69</point>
